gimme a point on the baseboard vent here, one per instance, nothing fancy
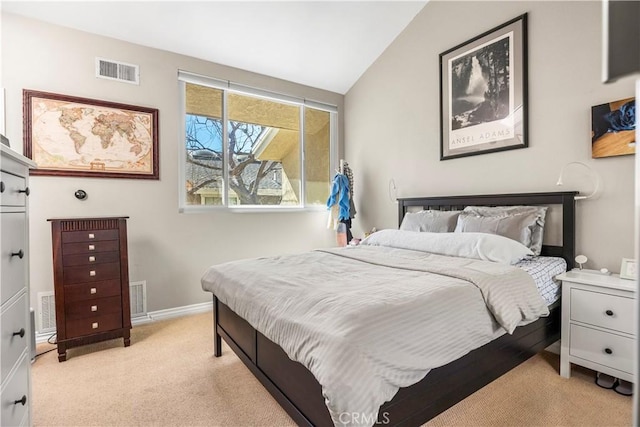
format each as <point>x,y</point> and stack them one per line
<point>115,70</point>
<point>138,298</point>
<point>46,312</point>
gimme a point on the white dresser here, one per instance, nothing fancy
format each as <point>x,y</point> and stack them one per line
<point>598,325</point>
<point>15,327</point>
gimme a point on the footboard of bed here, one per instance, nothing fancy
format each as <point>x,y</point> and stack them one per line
<point>300,394</point>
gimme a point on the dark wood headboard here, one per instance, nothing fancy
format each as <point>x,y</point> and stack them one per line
<point>564,198</point>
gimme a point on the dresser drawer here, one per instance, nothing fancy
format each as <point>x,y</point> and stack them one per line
<point>89,236</point>
<point>13,321</point>
<point>91,247</point>
<point>13,267</point>
<point>102,323</point>
<point>11,195</point>
<point>603,310</point>
<point>604,348</point>
<point>91,291</point>
<point>91,273</point>
<point>86,309</point>
<point>17,387</point>
<point>90,259</point>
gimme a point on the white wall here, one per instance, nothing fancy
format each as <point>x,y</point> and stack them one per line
<point>392,121</point>
<point>167,249</point>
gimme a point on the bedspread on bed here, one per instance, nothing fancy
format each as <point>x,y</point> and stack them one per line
<point>365,320</point>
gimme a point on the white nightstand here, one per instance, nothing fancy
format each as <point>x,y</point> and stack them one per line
<point>598,328</point>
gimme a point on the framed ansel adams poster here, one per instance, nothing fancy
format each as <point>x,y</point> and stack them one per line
<point>483,93</point>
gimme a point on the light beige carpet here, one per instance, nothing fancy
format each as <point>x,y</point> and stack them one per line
<point>169,377</point>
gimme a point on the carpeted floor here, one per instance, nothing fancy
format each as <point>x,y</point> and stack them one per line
<point>169,377</point>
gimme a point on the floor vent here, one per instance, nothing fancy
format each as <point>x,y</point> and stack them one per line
<point>120,71</point>
<point>138,298</point>
<point>47,312</point>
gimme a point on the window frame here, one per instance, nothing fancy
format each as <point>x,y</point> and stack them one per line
<point>227,87</point>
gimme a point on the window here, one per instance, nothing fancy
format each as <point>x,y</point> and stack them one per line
<point>246,148</point>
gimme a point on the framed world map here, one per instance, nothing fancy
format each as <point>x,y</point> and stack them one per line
<point>71,136</point>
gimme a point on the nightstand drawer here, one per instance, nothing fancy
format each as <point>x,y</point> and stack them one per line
<point>604,348</point>
<point>93,308</point>
<point>89,236</point>
<point>603,310</point>
<point>91,273</point>
<point>16,388</point>
<point>13,323</point>
<point>105,322</point>
<point>13,267</point>
<point>14,190</point>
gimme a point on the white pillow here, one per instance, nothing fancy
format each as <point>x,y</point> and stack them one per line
<point>484,246</point>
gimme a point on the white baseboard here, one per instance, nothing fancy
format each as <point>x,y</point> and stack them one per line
<point>152,316</point>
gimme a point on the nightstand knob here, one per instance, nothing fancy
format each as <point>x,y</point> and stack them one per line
<point>20,332</point>
<point>609,313</point>
<point>608,351</point>
<point>22,401</point>
<point>25,191</point>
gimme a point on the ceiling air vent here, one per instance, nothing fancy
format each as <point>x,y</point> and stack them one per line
<point>120,71</point>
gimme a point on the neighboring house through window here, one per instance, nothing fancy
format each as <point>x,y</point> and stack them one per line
<point>245,147</point>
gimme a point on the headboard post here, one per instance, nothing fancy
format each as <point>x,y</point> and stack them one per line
<point>564,198</point>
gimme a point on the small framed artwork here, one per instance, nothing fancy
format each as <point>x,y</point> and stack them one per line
<point>629,269</point>
<point>483,93</point>
<point>613,128</point>
<point>71,136</point>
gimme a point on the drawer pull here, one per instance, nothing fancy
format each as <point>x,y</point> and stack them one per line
<point>92,273</point>
<point>92,247</point>
<point>92,259</point>
<point>93,291</point>
<point>19,254</point>
<point>94,308</point>
<point>92,236</point>
<point>1,187</point>
<point>22,401</point>
<point>25,191</point>
<point>20,332</point>
<point>609,313</point>
<point>94,325</point>
<point>608,351</point>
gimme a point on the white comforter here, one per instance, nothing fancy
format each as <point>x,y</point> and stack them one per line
<point>364,319</point>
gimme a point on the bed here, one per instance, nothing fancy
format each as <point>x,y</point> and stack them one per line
<point>300,394</point>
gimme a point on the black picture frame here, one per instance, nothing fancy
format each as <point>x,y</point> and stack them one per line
<point>483,93</point>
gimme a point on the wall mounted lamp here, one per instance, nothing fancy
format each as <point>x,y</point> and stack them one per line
<point>594,175</point>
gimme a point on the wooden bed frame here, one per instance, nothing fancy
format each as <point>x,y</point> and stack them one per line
<point>299,393</point>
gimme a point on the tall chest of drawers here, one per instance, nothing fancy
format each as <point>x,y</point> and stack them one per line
<point>15,326</point>
<point>91,281</point>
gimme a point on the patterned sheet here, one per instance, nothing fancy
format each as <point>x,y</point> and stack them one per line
<point>543,269</point>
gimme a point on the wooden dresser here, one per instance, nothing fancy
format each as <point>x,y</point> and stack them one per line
<point>91,280</point>
<point>15,322</point>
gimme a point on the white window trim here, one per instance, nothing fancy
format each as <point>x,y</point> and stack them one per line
<point>226,87</point>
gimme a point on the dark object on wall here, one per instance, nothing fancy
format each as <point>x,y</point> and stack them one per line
<point>91,281</point>
<point>483,93</point>
<point>621,39</point>
<point>71,136</point>
<point>80,195</point>
<point>613,127</point>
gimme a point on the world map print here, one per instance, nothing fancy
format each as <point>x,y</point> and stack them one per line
<point>74,136</point>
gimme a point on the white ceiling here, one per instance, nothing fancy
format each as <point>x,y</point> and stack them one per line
<point>323,44</point>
